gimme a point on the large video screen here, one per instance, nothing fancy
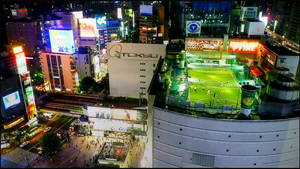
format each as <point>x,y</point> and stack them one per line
<point>62,41</point>
<point>146,10</point>
<point>88,27</point>
<point>11,100</point>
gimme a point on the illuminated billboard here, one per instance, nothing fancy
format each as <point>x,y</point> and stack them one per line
<point>243,46</point>
<point>21,63</point>
<point>14,123</point>
<point>78,14</point>
<point>62,41</point>
<point>129,12</point>
<point>124,114</point>
<point>264,19</point>
<point>196,44</point>
<point>146,10</point>
<point>114,113</point>
<point>87,27</point>
<point>119,13</point>
<point>256,28</point>
<point>11,100</point>
<point>101,22</point>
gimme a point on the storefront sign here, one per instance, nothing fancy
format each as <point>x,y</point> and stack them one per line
<point>243,46</point>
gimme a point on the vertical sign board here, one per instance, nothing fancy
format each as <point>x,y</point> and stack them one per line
<point>248,99</point>
<point>193,27</point>
<point>22,70</point>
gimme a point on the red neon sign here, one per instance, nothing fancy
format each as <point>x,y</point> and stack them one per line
<point>22,10</point>
<point>243,46</point>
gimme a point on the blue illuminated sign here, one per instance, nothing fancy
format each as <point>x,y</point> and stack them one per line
<point>62,41</point>
<point>11,100</point>
<point>193,27</point>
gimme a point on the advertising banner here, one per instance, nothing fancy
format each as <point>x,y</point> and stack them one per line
<point>11,100</point>
<point>248,99</point>
<point>87,27</point>
<point>256,28</point>
<point>248,96</point>
<point>146,10</point>
<point>198,44</point>
<point>124,114</point>
<point>62,41</point>
<point>101,22</point>
<point>115,114</point>
<point>243,46</point>
<point>21,63</point>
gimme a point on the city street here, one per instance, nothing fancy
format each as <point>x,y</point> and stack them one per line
<point>76,153</point>
<point>58,122</point>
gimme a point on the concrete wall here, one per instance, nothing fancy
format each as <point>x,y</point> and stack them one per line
<point>186,141</point>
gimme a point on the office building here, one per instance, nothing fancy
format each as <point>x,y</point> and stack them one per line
<point>147,24</point>
<point>201,122</point>
<point>59,71</point>
<point>131,66</point>
<point>13,107</point>
<point>84,63</point>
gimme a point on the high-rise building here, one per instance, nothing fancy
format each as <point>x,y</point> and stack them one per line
<point>131,66</point>
<point>194,123</point>
<point>84,63</point>
<point>13,107</point>
<point>148,23</point>
<point>59,71</point>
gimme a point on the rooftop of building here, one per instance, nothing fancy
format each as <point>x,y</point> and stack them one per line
<point>207,101</point>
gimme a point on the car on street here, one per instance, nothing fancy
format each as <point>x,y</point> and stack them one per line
<point>47,129</point>
<point>24,144</point>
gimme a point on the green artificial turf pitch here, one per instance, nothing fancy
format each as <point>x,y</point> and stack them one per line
<point>210,81</point>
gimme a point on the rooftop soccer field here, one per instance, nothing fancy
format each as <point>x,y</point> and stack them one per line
<point>213,86</point>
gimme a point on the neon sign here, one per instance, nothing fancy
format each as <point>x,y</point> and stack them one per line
<point>243,46</point>
<point>14,123</point>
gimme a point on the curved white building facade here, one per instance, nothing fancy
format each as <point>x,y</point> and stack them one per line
<point>181,140</point>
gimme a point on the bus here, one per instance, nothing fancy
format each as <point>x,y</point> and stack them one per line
<point>35,132</point>
<point>48,115</point>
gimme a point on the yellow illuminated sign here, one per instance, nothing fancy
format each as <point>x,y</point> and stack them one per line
<point>18,49</point>
<point>14,123</point>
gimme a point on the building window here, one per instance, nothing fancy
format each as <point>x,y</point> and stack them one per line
<point>142,82</point>
<point>142,63</point>
<point>142,69</point>
<point>61,73</point>
<point>142,75</point>
<point>142,88</point>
